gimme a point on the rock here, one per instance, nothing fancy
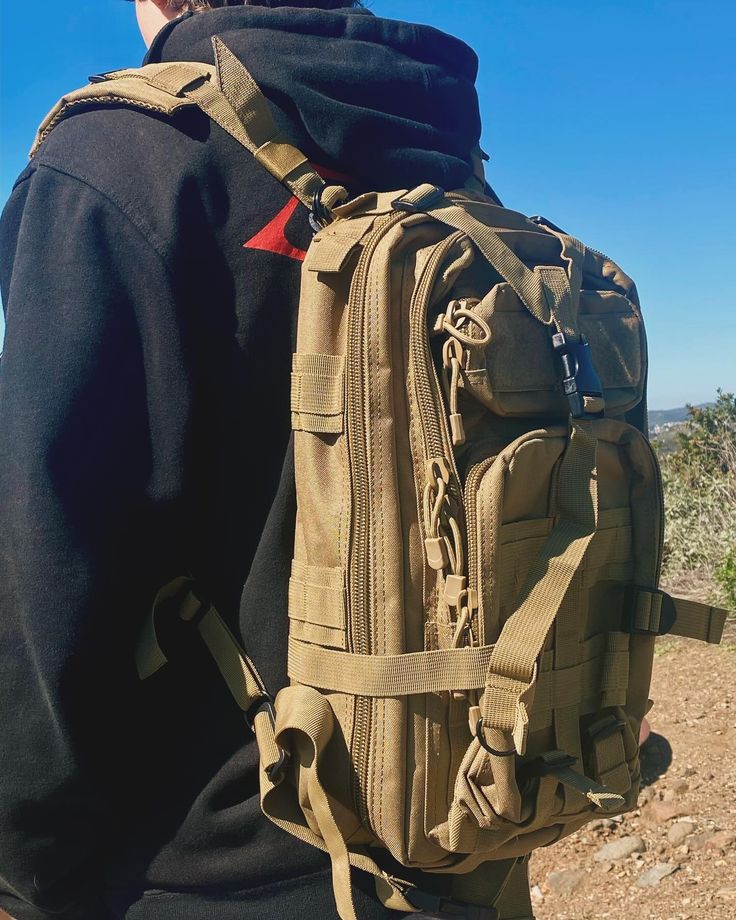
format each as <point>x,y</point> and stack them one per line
<point>689,771</point>
<point>700,841</point>
<point>680,831</point>
<point>677,788</point>
<point>654,876</point>
<point>565,881</point>
<point>620,849</point>
<point>536,894</point>
<point>602,824</point>
<point>662,812</point>
<point>722,840</point>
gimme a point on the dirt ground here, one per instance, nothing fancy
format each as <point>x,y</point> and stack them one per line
<point>683,836</point>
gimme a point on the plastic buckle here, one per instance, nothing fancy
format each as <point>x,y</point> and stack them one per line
<point>604,728</point>
<point>436,907</point>
<point>579,376</point>
<point>547,763</point>
<point>431,197</point>
<point>265,703</point>
<point>667,612</point>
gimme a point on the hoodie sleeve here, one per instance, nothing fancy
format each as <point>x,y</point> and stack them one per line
<point>92,424</point>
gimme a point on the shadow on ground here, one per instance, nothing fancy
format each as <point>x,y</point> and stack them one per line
<point>655,758</point>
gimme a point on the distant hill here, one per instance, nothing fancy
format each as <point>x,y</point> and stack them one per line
<point>659,417</point>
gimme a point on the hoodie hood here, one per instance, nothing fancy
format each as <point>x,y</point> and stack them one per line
<point>388,103</point>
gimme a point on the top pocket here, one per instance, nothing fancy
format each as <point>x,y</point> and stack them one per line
<point>514,373</point>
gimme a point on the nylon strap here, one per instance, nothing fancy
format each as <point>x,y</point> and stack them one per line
<point>388,675</point>
<point>228,94</point>
<point>546,286</point>
<point>304,725</point>
<point>512,669</point>
<point>693,620</point>
<point>154,87</point>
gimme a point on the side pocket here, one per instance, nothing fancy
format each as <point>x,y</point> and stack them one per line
<point>317,605</point>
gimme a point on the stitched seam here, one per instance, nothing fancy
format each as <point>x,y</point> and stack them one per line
<point>126,210</point>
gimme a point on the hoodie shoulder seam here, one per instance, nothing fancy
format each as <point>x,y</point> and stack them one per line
<point>128,211</point>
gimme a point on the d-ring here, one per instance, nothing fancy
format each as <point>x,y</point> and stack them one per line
<point>486,746</point>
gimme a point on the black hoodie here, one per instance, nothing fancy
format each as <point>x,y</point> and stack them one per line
<point>150,271</point>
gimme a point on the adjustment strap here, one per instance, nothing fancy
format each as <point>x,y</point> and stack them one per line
<point>657,613</point>
<point>547,286</point>
<point>388,675</point>
<point>235,101</point>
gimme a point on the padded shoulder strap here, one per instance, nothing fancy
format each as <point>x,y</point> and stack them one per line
<point>227,93</point>
<point>156,87</point>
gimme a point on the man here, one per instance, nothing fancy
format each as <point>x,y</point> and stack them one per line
<point>150,271</point>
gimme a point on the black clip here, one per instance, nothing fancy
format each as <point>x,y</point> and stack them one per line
<point>579,376</point>
<point>320,215</point>
<point>431,197</point>
<point>266,703</point>
<point>667,612</point>
<point>436,907</point>
<point>546,764</point>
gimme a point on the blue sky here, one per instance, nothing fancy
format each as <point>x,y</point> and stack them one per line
<point>617,120</point>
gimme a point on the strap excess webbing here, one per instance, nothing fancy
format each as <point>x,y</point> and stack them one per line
<point>692,620</point>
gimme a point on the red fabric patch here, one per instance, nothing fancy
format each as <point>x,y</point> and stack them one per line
<point>273,236</point>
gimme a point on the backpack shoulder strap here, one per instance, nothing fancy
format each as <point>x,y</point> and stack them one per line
<point>156,88</point>
<point>227,93</point>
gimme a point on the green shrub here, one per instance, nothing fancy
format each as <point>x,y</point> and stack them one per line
<point>726,578</point>
<point>700,500</point>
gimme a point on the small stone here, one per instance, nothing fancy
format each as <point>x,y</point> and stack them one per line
<point>536,894</point>
<point>565,881</point>
<point>620,849</point>
<point>662,812</point>
<point>602,824</point>
<point>723,840</point>
<point>689,771</point>
<point>680,831</point>
<point>726,894</point>
<point>654,876</point>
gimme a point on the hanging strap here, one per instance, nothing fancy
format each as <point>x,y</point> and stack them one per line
<point>303,726</point>
<point>512,670</point>
<point>227,93</point>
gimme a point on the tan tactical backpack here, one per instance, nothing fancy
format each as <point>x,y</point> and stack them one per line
<point>474,595</point>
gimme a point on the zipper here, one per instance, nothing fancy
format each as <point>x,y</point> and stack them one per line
<point>361,592</point>
<point>426,383</point>
<point>472,482</point>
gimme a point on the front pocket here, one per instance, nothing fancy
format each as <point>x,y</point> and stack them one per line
<point>515,374</point>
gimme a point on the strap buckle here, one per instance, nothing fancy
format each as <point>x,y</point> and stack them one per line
<point>436,907</point>
<point>431,196</point>
<point>662,613</point>
<point>546,764</point>
<point>579,376</point>
<point>265,703</point>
